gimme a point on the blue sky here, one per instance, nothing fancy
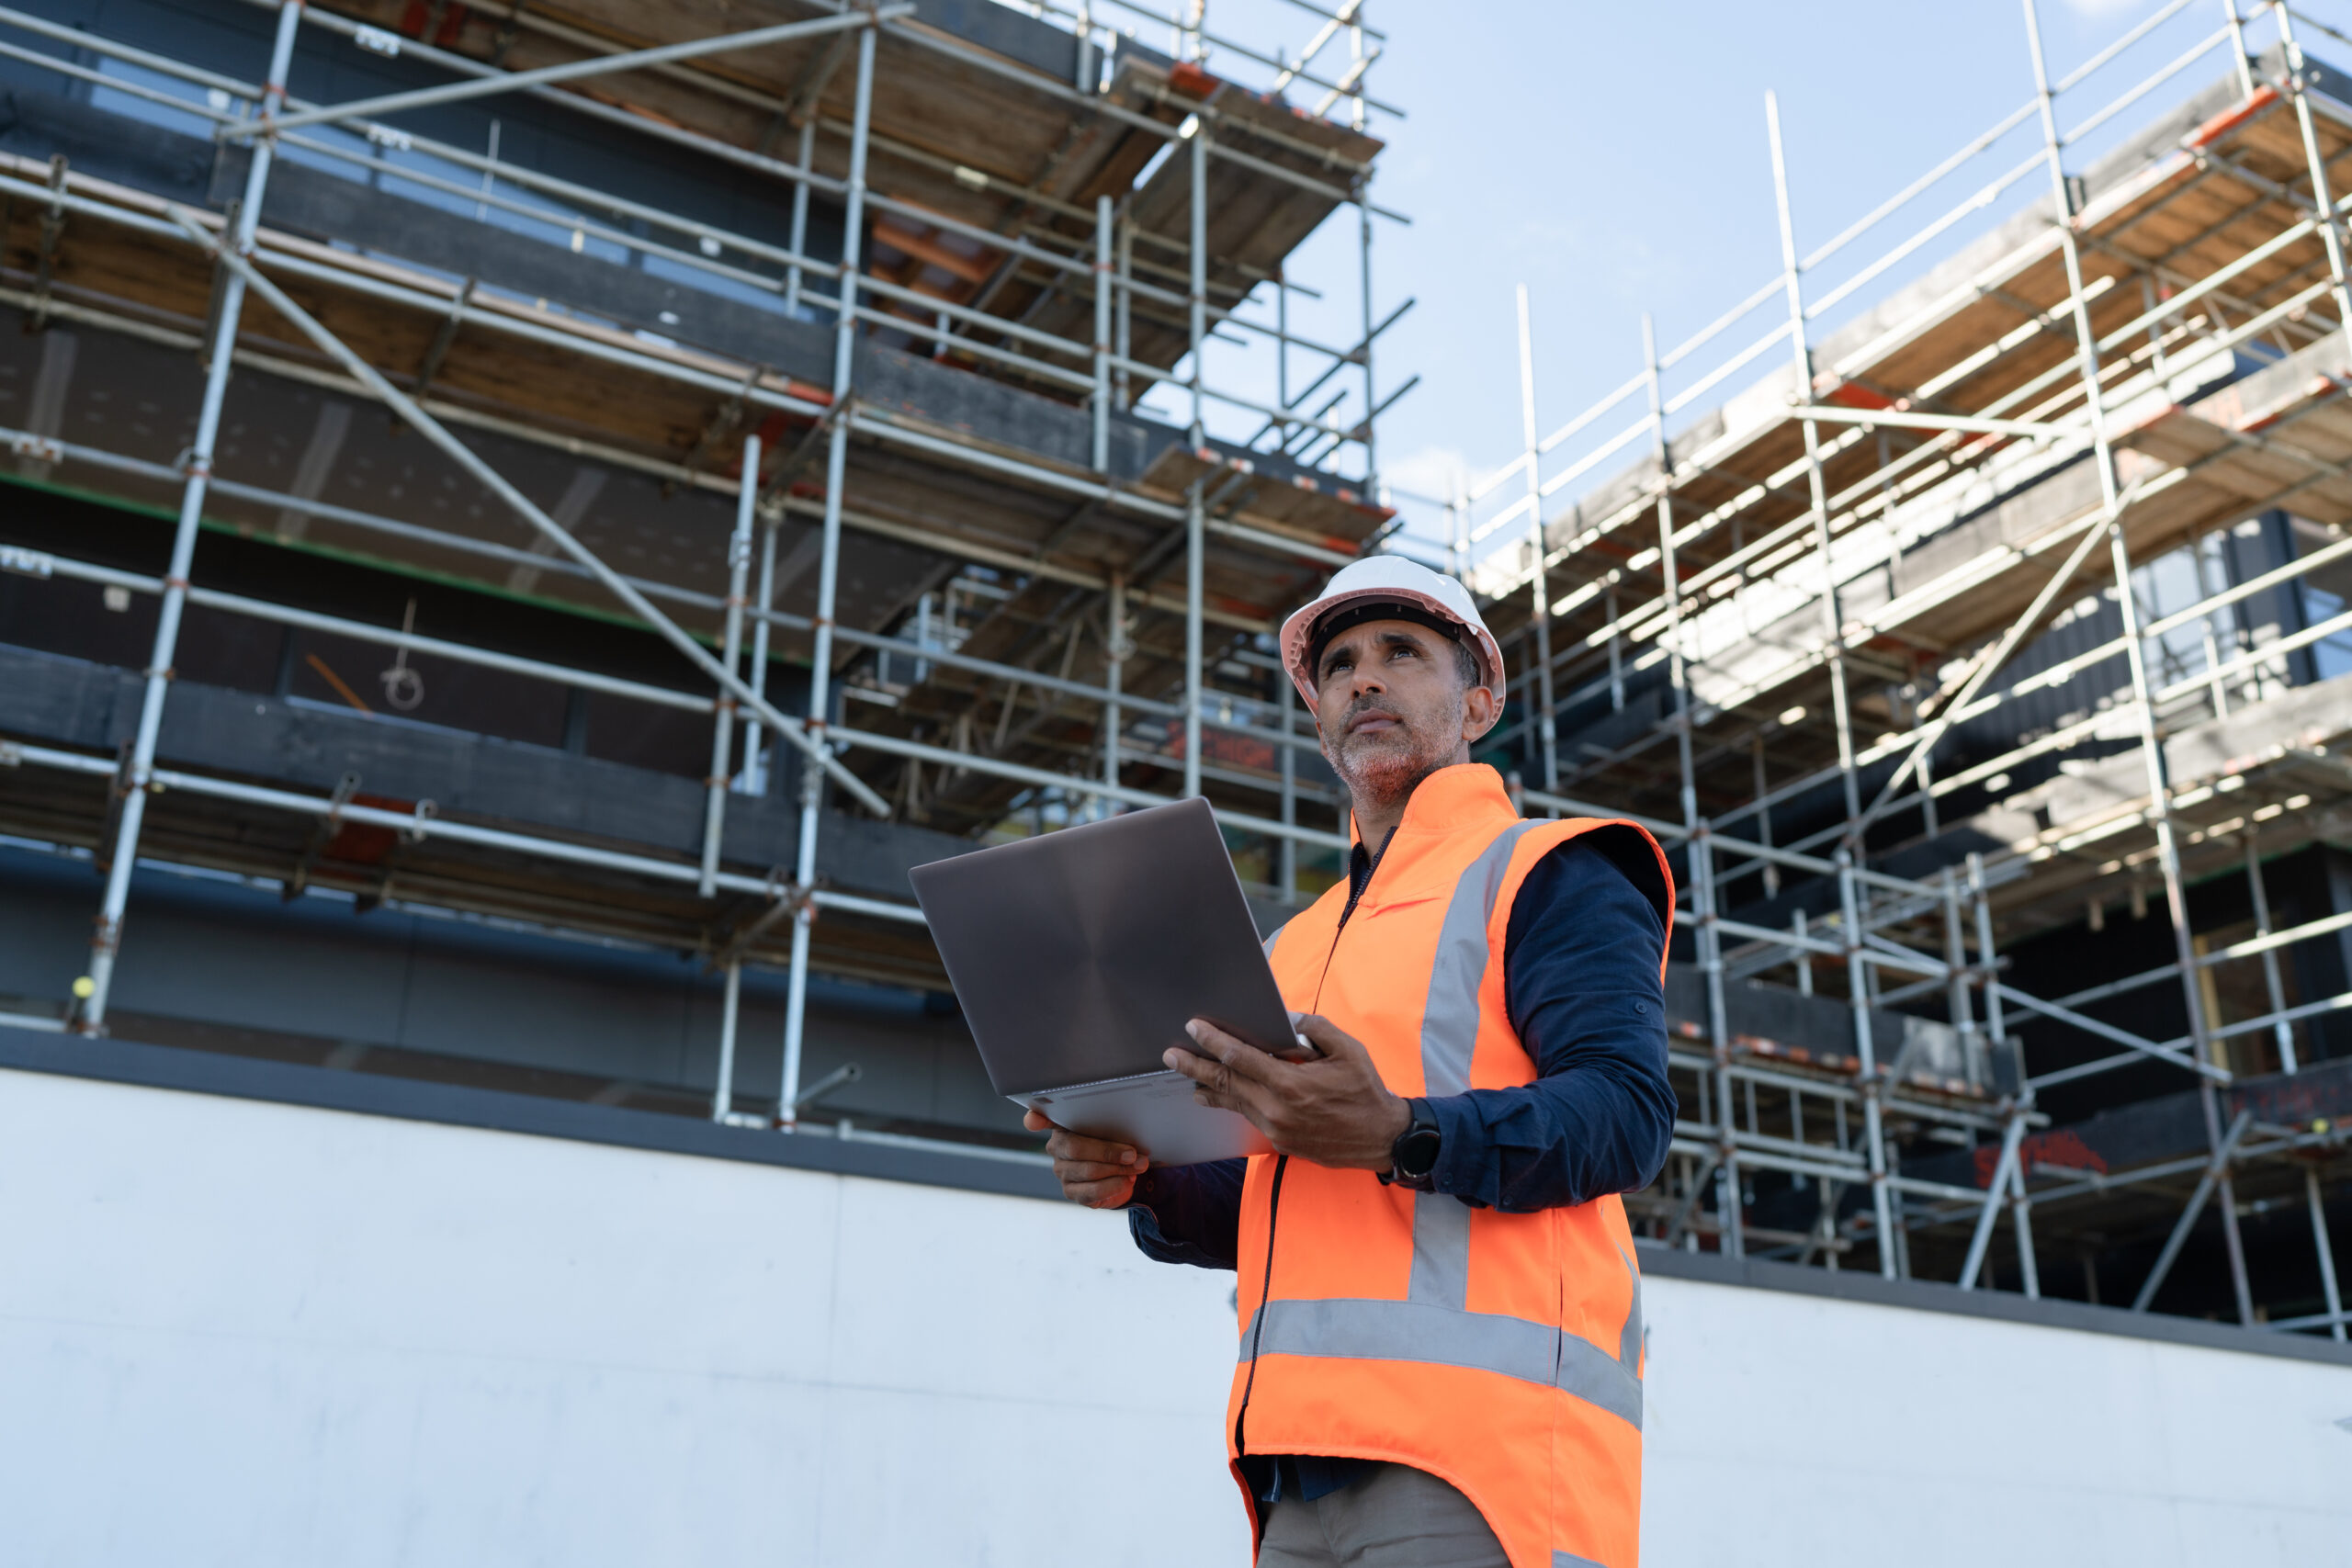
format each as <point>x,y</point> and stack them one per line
<point>1613,158</point>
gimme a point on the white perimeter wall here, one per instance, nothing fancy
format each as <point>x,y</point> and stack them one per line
<point>246,1334</point>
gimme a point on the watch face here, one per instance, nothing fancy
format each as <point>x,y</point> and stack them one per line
<point>1417,1151</point>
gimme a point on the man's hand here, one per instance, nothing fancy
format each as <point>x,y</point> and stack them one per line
<point>1094,1172</point>
<point>1332,1111</point>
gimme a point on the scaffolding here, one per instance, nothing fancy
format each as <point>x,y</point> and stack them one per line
<point>1830,570</point>
<point>1168,201</point>
<point>1827,572</point>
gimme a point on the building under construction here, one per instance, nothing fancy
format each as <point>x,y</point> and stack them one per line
<point>527,520</point>
<point>1985,652</point>
<point>669,599</point>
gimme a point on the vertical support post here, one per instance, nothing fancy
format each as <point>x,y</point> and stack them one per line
<point>2151,749</point>
<point>1103,287</point>
<point>2021,1217</point>
<point>138,774</point>
<point>1540,605</point>
<point>1797,924</point>
<point>820,660</point>
<point>755,761</point>
<point>1616,655</point>
<point>1764,816</point>
<point>1801,356</point>
<point>1286,852</point>
<point>2332,1294</point>
<point>1371,398</point>
<point>1282,338</point>
<point>1355,60</point>
<point>2275,983</point>
<point>1669,579</point>
<point>1701,849</point>
<point>722,730</point>
<point>1195,519</point>
<point>1988,971</point>
<point>1123,311</point>
<point>2236,25</point>
<point>1114,643</point>
<point>2205,558</point>
<point>2329,234</point>
<point>800,215</point>
<point>1956,997</point>
<point>1086,72</point>
<point>1850,908</point>
<point>723,1095</point>
<point>1457,533</point>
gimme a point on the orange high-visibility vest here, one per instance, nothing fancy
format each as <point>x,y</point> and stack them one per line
<point>1500,1352</point>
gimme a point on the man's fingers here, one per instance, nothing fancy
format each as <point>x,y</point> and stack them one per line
<point>1215,1083</point>
<point>1099,1195</point>
<point>1065,1144</point>
<point>1095,1170</point>
<point>1243,1059</point>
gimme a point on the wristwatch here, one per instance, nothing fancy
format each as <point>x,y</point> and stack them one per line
<point>1413,1156</point>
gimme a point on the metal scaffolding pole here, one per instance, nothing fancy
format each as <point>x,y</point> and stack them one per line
<point>1196,518</point>
<point>1115,650</point>
<point>1125,331</point>
<point>136,779</point>
<point>1702,852</point>
<point>594,65</point>
<point>2331,236</point>
<point>2283,1032</point>
<point>722,729</point>
<point>2331,1293</point>
<point>1371,399</point>
<point>722,1094</point>
<point>2151,747</point>
<point>1103,286</point>
<point>799,243</point>
<point>1801,357</point>
<point>1547,756</point>
<point>1678,670</point>
<point>804,875</point>
<point>755,761</point>
<point>1286,852</point>
<point>1865,1049</point>
<point>414,415</point>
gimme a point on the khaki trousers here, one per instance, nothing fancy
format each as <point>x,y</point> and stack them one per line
<point>1394,1516</point>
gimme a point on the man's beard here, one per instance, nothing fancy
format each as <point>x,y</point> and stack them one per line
<point>1380,771</point>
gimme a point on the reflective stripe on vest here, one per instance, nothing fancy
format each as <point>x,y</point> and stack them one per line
<point>1489,1348</point>
<point>1449,1035</point>
<point>1454,1337</point>
<point>1433,1324</point>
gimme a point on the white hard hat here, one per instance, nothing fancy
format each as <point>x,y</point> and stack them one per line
<point>1392,580</point>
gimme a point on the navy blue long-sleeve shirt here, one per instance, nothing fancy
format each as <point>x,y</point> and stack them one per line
<point>1580,979</point>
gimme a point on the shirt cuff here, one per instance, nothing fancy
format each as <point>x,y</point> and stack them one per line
<point>1463,1160</point>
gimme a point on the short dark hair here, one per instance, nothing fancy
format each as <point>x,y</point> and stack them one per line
<point>1466,658</point>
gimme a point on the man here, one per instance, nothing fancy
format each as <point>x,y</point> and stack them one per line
<point>1440,1310</point>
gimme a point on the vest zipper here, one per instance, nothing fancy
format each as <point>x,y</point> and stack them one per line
<point>1257,1332</point>
<point>1282,1163</point>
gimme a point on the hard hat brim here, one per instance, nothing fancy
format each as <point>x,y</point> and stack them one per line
<point>1298,631</point>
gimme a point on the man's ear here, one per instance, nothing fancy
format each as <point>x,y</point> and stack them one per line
<point>1481,709</point>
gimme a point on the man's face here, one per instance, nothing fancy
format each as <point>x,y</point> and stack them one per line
<point>1392,707</point>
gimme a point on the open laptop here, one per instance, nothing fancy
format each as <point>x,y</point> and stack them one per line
<point>1079,957</point>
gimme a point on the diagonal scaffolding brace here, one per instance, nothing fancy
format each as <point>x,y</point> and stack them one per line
<point>524,507</point>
